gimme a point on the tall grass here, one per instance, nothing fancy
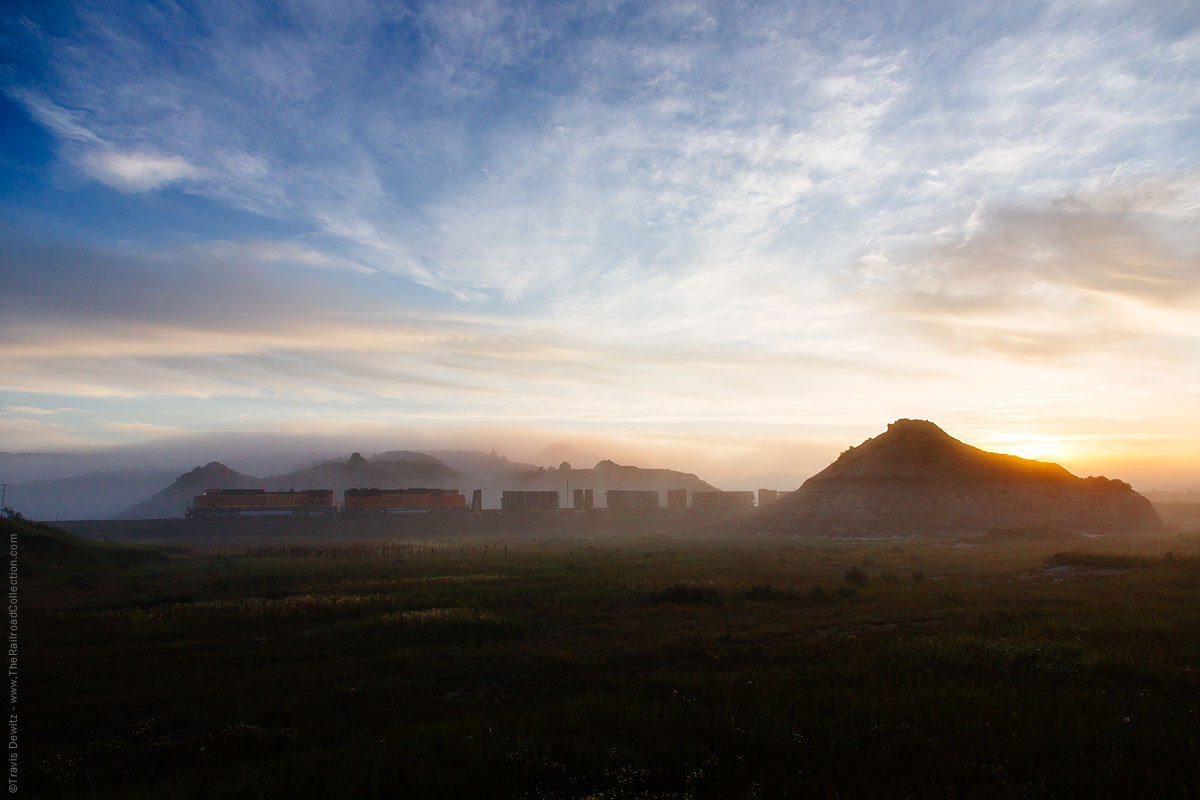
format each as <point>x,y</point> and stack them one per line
<point>621,668</point>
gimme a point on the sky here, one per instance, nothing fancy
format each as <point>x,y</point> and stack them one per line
<point>731,238</point>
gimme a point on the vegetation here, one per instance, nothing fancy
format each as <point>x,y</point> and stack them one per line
<point>573,666</point>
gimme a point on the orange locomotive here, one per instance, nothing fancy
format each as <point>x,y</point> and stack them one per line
<point>381,501</point>
<point>234,502</point>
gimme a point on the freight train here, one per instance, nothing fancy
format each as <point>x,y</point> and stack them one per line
<point>319,502</point>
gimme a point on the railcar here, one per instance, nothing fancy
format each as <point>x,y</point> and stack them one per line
<point>386,501</point>
<point>528,501</point>
<point>625,500</point>
<point>723,501</point>
<point>260,502</point>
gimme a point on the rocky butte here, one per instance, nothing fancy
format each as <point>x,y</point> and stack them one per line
<point>915,479</point>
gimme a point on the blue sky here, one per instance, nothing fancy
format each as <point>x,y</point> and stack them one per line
<point>732,237</point>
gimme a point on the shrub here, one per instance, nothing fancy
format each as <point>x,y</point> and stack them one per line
<point>856,577</point>
<point>688,593</point>
<point>1098,561</point>
<point>818,597</point>
<point>769,592</point>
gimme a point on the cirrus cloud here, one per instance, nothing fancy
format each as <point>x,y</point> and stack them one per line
<point>137,171</point>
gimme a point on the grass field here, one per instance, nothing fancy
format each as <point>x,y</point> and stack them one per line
<point>611,665</point>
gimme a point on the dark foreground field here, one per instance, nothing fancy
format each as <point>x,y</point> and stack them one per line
<point>608,664</point>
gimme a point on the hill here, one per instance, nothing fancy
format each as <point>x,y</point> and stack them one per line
<point>48,555</point>
<point>494,473</point>
<point>411,456</point>
<point>173,500</point>
<point>916,479</point>
<point>609,475</point>
<point>400,469</point>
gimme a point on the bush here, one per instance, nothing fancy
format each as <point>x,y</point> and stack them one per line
<point>818,597</point>
<point>856,577</point>
<point>1098,561</point>
<point>688,593</point>
<point>769,592</point>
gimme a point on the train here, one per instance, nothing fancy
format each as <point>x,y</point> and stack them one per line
<point>320,502</point>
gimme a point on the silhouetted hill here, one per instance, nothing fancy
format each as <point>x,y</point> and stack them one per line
<point>410,456</point>
<point>917,479</point>
<point>605,476</point>
<point>608,475</point>
<point>416,470</point>
<point>555,454</point>
<point>481,465</point>
<point>173,501</point>
<point>494,473</point>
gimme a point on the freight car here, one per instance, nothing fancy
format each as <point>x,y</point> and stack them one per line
<point>584,499</point>
<point>528,501</point>
<point>676,499</point>
<point>723,501</point>
<point>624,500</point>
<point>384,501</point>
<point>238,502</point>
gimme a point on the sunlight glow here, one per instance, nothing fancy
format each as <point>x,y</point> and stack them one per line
<point>1035,446</point>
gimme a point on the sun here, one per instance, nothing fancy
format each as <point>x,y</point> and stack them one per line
<point>1035,446</point>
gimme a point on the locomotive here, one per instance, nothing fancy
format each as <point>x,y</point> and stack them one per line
<point>383,501</point>
<point>319,502</point>
<point>236,502</point>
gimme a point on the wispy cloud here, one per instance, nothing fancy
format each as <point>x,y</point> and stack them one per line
<point>25,411</point>
<point>1054,282</point>
<point>727,138</point>
<point>138,171</point>
<point>148,430</point>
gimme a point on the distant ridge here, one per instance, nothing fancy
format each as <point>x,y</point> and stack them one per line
<point>394,469</point>
<point>609,475</point>
<point>390,471</point>
<point>916,479</point>
<point>412,456</point>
